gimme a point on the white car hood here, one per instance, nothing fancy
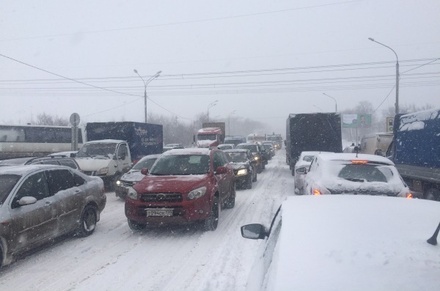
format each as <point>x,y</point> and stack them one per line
<point>349,242</point>
<point>132,176</point>
<point>91,164</point>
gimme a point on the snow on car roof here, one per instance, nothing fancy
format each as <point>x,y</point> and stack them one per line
<point>357,243</point>
<point>106,141</point>
<point>313,153</point>
<point>25,169</point>
<point>188,151</point>
<point>153,156</point>
<point>353,156</point>
<point>236,151</point>
<point>210,130</point>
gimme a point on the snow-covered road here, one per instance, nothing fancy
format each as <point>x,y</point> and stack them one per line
<point>181,258</point>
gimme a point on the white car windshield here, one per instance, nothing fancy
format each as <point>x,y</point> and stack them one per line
<point>97,149</point>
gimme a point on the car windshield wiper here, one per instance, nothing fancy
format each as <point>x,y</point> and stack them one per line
<point>355,179</point>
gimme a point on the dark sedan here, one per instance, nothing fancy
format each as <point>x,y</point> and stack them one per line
<point>244,167</point>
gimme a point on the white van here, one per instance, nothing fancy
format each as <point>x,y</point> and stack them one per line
<point>376,143</point>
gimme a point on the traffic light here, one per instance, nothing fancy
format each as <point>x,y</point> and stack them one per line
<point>390,124</point>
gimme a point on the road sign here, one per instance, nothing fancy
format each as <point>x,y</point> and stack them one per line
<point>354,120</point>
<point>74,119</point>
<point>349,120</point>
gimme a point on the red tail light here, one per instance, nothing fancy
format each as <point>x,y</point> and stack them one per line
<point>316,192</point>
<point>359,162</point>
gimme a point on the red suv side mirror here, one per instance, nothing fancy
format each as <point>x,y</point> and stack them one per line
<point>221,170</point>
<point>144,171</point>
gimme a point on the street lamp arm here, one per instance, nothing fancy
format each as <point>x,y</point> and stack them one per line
<point>153,77</point>
<point>145,88</point>
<point>397,73</point>
<point>145,85</point>
<point>334,99</point>
<point>373,40</point>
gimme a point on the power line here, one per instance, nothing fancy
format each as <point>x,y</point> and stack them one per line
<point>189,21</point>
<point>84,83</point>
<point>243,73</point>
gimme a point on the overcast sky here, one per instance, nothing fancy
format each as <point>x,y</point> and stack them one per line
<point>260,59</point>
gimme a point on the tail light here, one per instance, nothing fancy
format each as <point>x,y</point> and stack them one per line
<point>316,192</point>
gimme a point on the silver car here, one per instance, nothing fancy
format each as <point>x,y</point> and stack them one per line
<point>39,203</point>
<point>134,175</point>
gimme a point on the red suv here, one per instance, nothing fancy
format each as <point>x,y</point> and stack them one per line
<point>183,186</point>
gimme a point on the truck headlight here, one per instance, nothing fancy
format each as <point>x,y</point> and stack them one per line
<point>242,172</point>
<point>132,194</point>
<point>102,171</point>
<point>197,193</point>
<point>256,158</point>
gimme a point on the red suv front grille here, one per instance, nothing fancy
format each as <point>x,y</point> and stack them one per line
<point>162,197</point>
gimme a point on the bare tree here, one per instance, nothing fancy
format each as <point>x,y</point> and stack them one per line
<point>46,119</point>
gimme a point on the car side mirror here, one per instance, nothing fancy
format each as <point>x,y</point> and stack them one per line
<point>144,171</point>
<point>221,170</point>
<point>27,200</point>
<point>254,231</point>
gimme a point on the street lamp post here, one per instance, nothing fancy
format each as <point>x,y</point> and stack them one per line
<point>397,73</point>
<point>145,88</point>
<point>336,103</point>
<point>212,104</point>
<point>229,121</point>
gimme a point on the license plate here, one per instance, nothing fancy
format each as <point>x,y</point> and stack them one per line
<point>160,212</point>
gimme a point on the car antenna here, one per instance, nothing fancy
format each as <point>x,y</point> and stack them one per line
<point>433,239</point>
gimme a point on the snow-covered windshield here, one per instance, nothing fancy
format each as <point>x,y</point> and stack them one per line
<point>308,159</point>
<point>181,165</point>
<point>144,163</point>
<point>237,157</point>
<point>97,149</point>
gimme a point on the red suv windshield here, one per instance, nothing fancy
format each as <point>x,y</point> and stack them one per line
<point>181,165</point>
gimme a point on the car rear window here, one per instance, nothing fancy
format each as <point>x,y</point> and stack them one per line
<point>365,173</point>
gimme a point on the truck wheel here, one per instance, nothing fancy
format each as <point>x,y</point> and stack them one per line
<point>88,221</point>
<point>249,182</point>
<point>432,194</point>
<point>230,202</point>
<point>1,257</point>
<point>211,223</point>
<point>135,226</point>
